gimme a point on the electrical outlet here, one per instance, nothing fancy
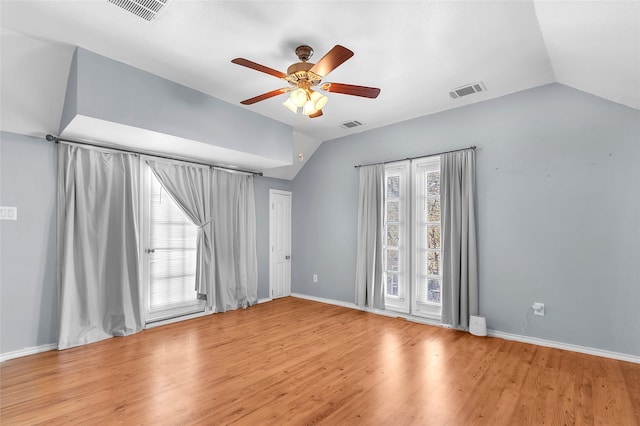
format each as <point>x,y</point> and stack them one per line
<point>8,213</point>
<point>315,278</point>
<point>538,308</point>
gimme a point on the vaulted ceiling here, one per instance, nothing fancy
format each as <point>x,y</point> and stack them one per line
<point>415,51</point>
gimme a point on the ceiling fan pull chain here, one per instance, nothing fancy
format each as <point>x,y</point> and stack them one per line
<point>303,120</point>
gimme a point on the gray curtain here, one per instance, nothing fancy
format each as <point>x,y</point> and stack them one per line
<point>369,285</point>
<point>98,251</point>
<point>190,188</point>
<point>459,247</point>
<point>234,240</point>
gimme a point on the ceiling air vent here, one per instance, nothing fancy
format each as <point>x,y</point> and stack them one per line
<point>146,9</point>
<point>469,89</point>
<point>351,124</point>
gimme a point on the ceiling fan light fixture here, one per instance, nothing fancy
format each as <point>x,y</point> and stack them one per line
<point>291,106</point>
<point>319,100</point>
<point>299,97</point>
<point>309,108</point>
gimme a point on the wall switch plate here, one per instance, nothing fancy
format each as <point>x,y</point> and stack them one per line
<point>538,308</point>
<point>315,278</point>
<point>8,213</point>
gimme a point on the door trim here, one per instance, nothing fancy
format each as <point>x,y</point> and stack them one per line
<point>273,192</point>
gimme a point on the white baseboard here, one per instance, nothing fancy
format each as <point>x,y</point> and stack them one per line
<point>491,333</point>
<point>329,301</point>
<point>565,346</point>
<point>268,299</point>
<point>27,351</point>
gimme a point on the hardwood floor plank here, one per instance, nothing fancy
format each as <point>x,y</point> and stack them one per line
<point>294,361</point>
<point>632,379</point>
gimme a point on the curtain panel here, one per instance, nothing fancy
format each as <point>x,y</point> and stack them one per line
<point>234,241</point>
<point>98,251</point>
<point>459,244</point>
<point>190,188</point>
<point>100,289</point>
<point>369,285</point>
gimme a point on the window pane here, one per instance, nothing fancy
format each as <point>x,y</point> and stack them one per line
<point>433,209</point>
<point>392,260</point>
<point>392,284</point>
<point>433,290</point>
<point>433,183</point>
<point>393,186</point>
<point>393,211</point>
<point>393,232</point>
<point>433,236</point>
<point>433,263</point>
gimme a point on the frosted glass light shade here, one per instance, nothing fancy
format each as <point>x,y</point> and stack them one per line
<point>319,100</point>
<point>298,97</point>
<point>289,104</point>
<point>309,108</point>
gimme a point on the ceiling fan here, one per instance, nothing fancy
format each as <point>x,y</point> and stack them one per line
<point>303,76</point>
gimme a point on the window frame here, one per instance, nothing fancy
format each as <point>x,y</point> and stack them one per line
<point>419,169</point>
<point>412,234</point>
<point>401,302</point>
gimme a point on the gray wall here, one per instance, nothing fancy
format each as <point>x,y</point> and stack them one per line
<point>28,293</point>
<point>558,209</point>
<point>261,186</point>
<point>28,296</point>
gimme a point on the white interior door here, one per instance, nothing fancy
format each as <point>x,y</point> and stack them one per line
<point>280,243</point>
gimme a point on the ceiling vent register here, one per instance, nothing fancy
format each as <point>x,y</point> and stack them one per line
<point>469,89</point>
<point>145,9</point>
<point>351,124</point>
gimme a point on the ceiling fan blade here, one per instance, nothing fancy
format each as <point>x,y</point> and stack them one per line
<point>350,89</point>
<point>266,96</point>
<point>255,66</point>
<point>332,60</point>
<point>318,113</point>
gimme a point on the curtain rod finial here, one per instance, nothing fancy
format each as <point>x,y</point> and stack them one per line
<point>51,138</point>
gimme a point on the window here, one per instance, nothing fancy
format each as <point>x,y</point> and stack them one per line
<point>412,237</point>
<point>396,225</point>
<point>427,237</point>
<point>170,255</point>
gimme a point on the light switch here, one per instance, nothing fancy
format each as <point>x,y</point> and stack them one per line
<point>8,213</point>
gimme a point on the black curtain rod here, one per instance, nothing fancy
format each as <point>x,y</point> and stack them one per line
<point>414,158</point>
<point>55,139</point>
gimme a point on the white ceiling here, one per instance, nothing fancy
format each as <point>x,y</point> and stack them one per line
<point>416,52</point>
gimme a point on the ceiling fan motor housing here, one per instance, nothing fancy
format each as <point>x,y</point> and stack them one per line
<point>299,72</point>
<point>304,52</point>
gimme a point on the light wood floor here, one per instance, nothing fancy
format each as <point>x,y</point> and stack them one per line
<point>294,361</point>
